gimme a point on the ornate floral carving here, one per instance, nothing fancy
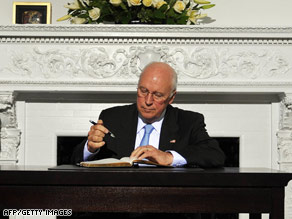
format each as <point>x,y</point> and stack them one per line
<point>253,65</point>
<point>193,63</point>
<point>286,113</point>
<point>9,134</point>
<point>285,133</point>
<point>7,112</point>
<point>10,140</point>
<point>285,149</point>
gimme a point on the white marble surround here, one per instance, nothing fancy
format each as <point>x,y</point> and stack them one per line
<point>93,64</point>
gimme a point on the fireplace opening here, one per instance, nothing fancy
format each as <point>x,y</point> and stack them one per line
<point>65,147</point>
<point>230,146</point>
<point>66,144</point>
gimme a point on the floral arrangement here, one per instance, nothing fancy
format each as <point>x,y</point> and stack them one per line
<point>136,11</point>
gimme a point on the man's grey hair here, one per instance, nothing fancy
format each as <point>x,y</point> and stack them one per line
<point>174,75</point>
<point>174,80</point>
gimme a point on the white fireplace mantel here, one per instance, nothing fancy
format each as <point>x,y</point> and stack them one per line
<point>102,63</point>
<point>214,64</point>
<point>76,62</point>
<point>110,57</point>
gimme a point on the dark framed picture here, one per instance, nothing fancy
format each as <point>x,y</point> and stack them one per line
<point>31,13</point>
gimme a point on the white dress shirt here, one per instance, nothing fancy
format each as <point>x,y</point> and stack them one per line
<point>178,160</point>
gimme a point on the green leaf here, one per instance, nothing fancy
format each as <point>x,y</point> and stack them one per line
<point>125,19</point>
<point>75,13</point>
<point>171,13</point>
<point>80,5</point>
<point>123,6</point>
<point>182,20</point>
<point>86,15</point>
<point>163,8</point>
<point>159,14</point>
<point>201,2</point>
<point>170,21</point>
<point>171,3</point>
<point>207,6</point>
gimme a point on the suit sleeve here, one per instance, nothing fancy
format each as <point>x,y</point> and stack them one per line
<point>201,149</point>
<point>78,151</point>
<point>77,155</point>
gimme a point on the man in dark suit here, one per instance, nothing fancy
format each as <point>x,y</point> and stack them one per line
<point>176,137</point>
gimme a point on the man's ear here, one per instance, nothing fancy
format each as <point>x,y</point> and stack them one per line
<point>172,97</point>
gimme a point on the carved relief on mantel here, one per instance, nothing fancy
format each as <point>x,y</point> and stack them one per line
<point>122,65</point>
<point>285,147</point>
<point>115,54</point>
<point>9,133</point>
<point>285,134</point>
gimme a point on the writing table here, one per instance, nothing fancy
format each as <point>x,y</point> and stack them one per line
<point>146,189</point>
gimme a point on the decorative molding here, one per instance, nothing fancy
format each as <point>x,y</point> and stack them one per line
<point>124,65</point>
<point>7,113</point>
<point>287,114</point>
<point>10,141</point>
<point>113,55</point>
<point>145,34</point>
<point>285,146</point>
<point>9,134</point>
<point>146,40</point>
<point>282,85</point>
<point>130,29</point>
<point>285,133</point>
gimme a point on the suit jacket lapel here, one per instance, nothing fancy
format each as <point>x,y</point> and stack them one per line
<point>130,121</point>
<point>169,130</point>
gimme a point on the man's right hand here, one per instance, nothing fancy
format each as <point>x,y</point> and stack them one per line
<point>95,136</point>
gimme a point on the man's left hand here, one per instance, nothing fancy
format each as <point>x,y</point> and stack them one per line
<point>153,154</point>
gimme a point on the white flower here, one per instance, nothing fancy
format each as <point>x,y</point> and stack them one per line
<point>192,4</point>
<point>134,2</point>
<point>154,2</point>
<point>94,13</point>
<point>179,6</point>
<point>194,16</point>
<point>73,6</point>
<point>115,2</point>
<point>159,4</point>
<point>85,3</point>
<point>78,20</point>
<point>186,1</point>
<point>147,3</point>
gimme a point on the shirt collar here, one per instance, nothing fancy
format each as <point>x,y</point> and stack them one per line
<point>157,124</point>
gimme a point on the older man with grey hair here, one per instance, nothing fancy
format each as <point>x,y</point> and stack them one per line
<point>151,128</point>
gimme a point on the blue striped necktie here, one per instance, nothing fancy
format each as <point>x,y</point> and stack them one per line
<point>148,129</point>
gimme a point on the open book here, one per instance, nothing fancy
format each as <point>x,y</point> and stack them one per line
<point>113,162</point>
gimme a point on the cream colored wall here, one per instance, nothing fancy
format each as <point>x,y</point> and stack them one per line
<point>226,12</point>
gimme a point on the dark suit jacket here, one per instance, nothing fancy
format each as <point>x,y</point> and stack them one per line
<point>185,127</point>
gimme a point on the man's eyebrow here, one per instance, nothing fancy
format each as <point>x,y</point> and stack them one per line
<point>154,92</point>
<point>157,92</point>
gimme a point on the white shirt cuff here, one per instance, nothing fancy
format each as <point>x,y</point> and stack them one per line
<point>178,160</point>
<point>87,153</point>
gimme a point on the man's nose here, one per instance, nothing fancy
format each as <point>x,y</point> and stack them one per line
<point>149,99</point>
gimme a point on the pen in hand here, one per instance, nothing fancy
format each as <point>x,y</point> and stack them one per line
<point>110,133</point>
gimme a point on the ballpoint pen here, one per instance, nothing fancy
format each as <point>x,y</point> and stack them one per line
<point>110,133</point>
